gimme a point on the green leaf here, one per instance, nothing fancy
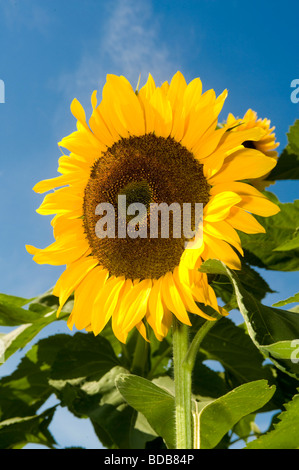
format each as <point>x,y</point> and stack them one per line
<point>215,418</point>
<point>84,355</point>
<point>154,402</point>
<point>16,432</point>
<point>233,348</point>
<point>11,299</point>
<point>264,249</point>
<point>286,432</point>
<point>266,325</point>
<point>290,300</point>
<point>40,313</point>
<point>249,278</point>
<point>291,244</point>
<point>115,422</point>
<point>245,427</point>
<point>293,137</point>
<point>27,388</point>
<point>21,336</point>
<point>11,313</point>
<point>207,382</point>
<point>287,167</point>
<point>213,266</point>
<point>47,299</point>
<point>282,350</point>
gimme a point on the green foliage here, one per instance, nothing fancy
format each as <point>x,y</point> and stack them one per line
<point>282,303</point>
<point>285,432</point>
<point>16,432</point>
<point>287,167</point>
<point>278,248</point>
<point>227,411</point>
<point>41,312</point>
<point>84,355</point>
<point>267,326</point>
<point>155,403</point>
<point>127,391</point>
<point>233,348</point>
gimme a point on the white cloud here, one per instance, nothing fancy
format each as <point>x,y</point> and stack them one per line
<point>30,15</point>
<point>129,44</point>
<point>132,40</point>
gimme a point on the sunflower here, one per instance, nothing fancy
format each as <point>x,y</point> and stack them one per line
<point>266,144</point>
<point>155,145</point>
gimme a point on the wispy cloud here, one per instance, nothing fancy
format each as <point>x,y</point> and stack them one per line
<point>133,41</point>
<point>30,15</point>
<point>129,44</point>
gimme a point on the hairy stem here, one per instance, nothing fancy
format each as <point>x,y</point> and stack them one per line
<point>182,378</point>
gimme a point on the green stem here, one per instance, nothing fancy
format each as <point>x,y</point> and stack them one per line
<point>184,356</point>
<point>190,357</point>
<point>182,379</point>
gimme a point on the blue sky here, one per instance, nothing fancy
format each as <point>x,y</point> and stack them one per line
<point>54,50</point>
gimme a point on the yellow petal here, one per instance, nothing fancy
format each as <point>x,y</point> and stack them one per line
<point>218,249</point>
<point>219,206</point>
<point>134,307</point>
<point>156,309</point>
<point>70,164</point>
<point>176,90</point>
<point>144,96</point>
<point>233,139</point>
<point>125,104</point>
<point>223,231</point>
<point>63,226</point>
<point>208,143</point>
<point>184,105</point>
<point>163,113</point>
<point>243,221</point>
<point>172,299</point>
<point>258,205</point>
<point>190,257</point>
<point>142,330</point>
<point>148,89</point>
<point>199,121</point>
<point>192,95</point>
<point>71,278</point>
<point>243,164</point>
<point>62,201</point>
<point>98,125</point>
<point>79,142</point>
<point>78,112</point>
<point>46,185</point>
<point>85,295</point>
<point>105,303</point>
<point>186,293</point>
<point>212,164</point>
<point>60,252</point>
<point>236,187</point>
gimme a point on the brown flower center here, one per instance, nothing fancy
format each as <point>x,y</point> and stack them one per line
<point>146,170</point>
